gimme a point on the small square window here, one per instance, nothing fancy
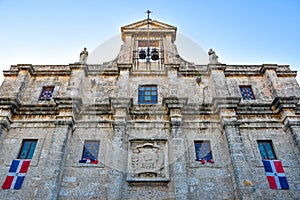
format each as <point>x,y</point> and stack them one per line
<point>266,149</point>
<point>247,92</point>
<point>203,151</point>
<point>90,152</point>
<point>147,94</point>
<point>27,149</point>
<point>47,92</point>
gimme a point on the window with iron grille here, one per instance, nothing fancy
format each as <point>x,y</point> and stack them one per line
<point>203,150</point>
<point>247,92</point>
<point>266,149</point>
<point>147,94</point>
<point>27,149</point>
<point>90,150</point>
<point>47,92</point>
<point>148,50</point>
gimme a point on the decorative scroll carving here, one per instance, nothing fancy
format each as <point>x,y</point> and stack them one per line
<point>147,161</point>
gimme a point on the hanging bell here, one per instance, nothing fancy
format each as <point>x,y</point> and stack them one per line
<point>142,54</point>
<point>154,54</point>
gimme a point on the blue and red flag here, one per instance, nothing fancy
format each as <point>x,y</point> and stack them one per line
<point>89,161</point>
<point>275,174</point>
<point>16,174</point>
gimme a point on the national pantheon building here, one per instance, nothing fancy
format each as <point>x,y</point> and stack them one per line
<point>149,125</point>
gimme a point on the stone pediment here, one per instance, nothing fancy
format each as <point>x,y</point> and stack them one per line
<point>144,24</point>
<point>148,25</point>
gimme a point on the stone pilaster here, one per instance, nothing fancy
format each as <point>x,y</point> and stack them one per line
<point>118,158</point>
<point>172,78</point>
<point>269,71</point>
<point>123,79</point>
<point>78,73</point>
<point>243,180</point>
<point>178,149</point>
<point>55,163</point>
<point>10,95</point>
<point>293,128</point>
<point>218,80</point>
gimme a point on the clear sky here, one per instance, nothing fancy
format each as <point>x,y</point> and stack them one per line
<point>240,31</point>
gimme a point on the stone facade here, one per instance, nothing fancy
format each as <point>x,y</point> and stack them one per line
<point>147,151</point>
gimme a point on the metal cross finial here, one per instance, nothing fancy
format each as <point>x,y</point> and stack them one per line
<point>148,13</point>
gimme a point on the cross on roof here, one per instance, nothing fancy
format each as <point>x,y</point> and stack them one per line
<point>148,13</point>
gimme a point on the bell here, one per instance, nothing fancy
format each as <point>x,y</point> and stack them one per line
<point>142,54</point>
<point>154,54</point>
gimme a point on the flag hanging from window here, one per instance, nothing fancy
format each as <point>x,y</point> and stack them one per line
<point>275,174</point>
<point>89,161</point>
<point>16,174</point>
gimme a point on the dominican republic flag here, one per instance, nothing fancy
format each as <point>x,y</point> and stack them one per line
<point>16,174</point>
<point>89,161</point>
<point>275,174</point>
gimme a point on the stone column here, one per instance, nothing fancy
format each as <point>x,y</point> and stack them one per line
<point>178,149</point>
<point>118,157</point>
<point>243,186</point>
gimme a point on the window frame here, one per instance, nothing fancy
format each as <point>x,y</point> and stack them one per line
<point>29,149</point>
<point>268,157</point>
<point>247,87</point>
<point>201,142</point>
<point>142,93</point>
<point>84,147</point>
<point>48,88</point>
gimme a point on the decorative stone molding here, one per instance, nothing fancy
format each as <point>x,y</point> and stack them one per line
<point>268,67</point>
<point>225,102</point>
<point>27,67</point>
<point>148,161</point>
<point>285,102</point>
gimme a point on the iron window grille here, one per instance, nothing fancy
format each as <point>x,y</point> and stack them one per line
<point>47,93</point>
<point>247,92</point>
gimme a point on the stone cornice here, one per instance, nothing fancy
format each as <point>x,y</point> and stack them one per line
<point>280,103</point>
<point>174,102</point>
<point>225,102</point>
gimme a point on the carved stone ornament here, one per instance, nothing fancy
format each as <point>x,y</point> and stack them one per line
<point>148,161</point>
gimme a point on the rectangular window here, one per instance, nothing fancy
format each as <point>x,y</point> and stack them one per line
<point>27,149</point>
<point>266,149</point>
<point>203,151</point>
<point>90,150</point>
<point>147,94</point>
<point>247,92</point>
<point>47,93</point>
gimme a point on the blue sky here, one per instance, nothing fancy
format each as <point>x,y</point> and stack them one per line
<point>241,32</point>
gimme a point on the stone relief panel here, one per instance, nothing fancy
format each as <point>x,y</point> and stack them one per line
<point>148,161</point>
